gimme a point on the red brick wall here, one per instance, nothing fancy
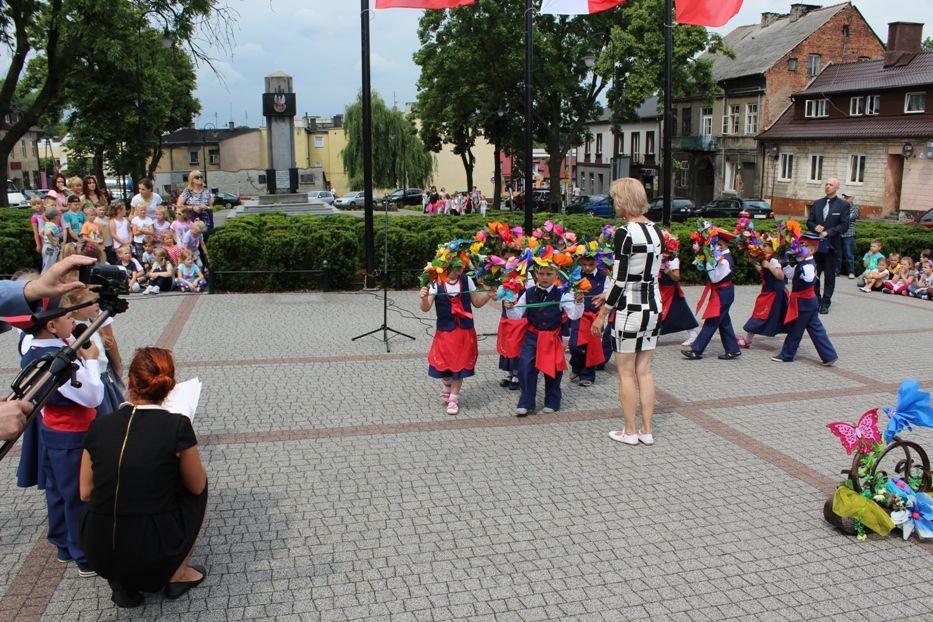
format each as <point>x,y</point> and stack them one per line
<point>829,43</point>
<point>797,208</point>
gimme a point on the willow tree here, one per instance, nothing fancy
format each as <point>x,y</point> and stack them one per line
<point>400,159</point>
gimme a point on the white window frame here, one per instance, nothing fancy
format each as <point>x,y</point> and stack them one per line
<point>751,119</point>
<point>213,156</point>
<point>706,121</point>
<point>728,182</point>
<point>786,167</point>
<point>857,164</point>
<point>816,108</point>
<point>818,160</point>
<point>197,156</point>
<point>318,142</point>
<point>907,97</point>
<point>857,106</point>
<point>813,69</point>
<point>872,105</point>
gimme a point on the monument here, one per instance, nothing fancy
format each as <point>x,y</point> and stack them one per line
<point>278,106</point>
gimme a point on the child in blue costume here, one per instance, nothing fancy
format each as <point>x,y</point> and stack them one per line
<point>721,294</point>
<point>804,305</point>
<point>586,350</point>
<point>65,420</point>
<point>454,351</point>
<point>771,304</point>
<point>542,349</point>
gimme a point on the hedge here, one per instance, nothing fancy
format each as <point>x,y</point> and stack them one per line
<point>273,242</point>
<point>17,248</point>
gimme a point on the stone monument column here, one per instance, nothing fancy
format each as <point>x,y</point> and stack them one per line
<point>278,106</point>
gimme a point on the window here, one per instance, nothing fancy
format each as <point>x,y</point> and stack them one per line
<point>856,106</point>
<point>787,167</point>
<point>23,147</point>
<point>792,64</point>
<point>213,156</point>
<point>816,108</point>
<point>845,30</point>
<point>649,143</point>
<point>318,142</point>
<point>592,184</point>
<point>915,102</point>
<point>751,119</point>
<point>193,156</point>
<point>856,169</point>
<point>686,122</point>
<point>600,182</point>
<point>862,59</point>
<point>674,125</point>
<point>730,120</point>
<point>816,169</point>
<point>261,179</point>
<point>729,176</point>
<point>586,150</point>
<point>873,105</point>
<point>619,143</point>
<point>636,147</point>
<point>683,175</point>
<point>599,147</point>
<point>706,122</point>
<point>306,179</point>
<point>813,64</point>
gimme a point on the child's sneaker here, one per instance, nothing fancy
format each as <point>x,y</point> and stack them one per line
<point>452,407</point>
<point>154,289</point>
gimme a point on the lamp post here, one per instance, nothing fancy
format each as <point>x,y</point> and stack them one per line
<point>529,122</point>
<point>204,130</point>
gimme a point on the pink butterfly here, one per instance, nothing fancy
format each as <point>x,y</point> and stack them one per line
<point>865,431</point>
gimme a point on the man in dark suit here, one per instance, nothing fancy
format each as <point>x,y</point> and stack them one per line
<point>829,217</point>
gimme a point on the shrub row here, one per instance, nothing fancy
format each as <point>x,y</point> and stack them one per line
<point>17,249</point>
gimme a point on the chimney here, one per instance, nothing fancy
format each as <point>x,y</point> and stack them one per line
<point>230,125</point>
<point>799,10</point>
<point>769,18</point>
<point>338,120</point>
<point>903,43</point>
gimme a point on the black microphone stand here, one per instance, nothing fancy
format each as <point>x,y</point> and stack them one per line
<point>385,328</point>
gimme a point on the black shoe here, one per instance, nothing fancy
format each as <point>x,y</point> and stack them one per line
<point>514,386</point>
<point>504,382</point>
<point>824,310</point>
<point>126,599</point>
<point>178,589</point>
<point>728,356</point>
<point>690,355</point>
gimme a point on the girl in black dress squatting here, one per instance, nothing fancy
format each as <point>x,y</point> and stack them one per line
<point>675,312</point>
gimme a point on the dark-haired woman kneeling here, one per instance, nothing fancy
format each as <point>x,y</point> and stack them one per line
<point>146,489</point>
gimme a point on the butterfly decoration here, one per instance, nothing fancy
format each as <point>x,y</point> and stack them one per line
<point>862,436</point>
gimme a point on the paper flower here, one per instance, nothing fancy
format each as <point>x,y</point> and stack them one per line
<point>913,408</point>
<point>917,515</point>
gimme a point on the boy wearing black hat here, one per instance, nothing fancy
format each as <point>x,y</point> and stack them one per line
<point>804,306</point>
<point>721,294</point>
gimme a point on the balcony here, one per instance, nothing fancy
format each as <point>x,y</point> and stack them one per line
<point>699,143</point>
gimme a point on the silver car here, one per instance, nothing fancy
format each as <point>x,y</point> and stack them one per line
<point>350,200</point>
<point>325,196</point>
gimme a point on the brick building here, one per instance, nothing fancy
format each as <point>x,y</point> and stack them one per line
<point>715,142</point>
<point>866,123</point>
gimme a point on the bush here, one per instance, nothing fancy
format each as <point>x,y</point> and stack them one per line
<point>17,249</point>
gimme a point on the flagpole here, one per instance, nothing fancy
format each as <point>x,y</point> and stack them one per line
<point>667,164</point>
<point>369,281</point>
<point>529,144</point>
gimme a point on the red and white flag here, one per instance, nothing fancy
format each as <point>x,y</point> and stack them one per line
<point>421,4</point>
<point>712,13</point>
<point>577,7</point>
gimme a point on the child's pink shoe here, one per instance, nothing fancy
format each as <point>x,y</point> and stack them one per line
<point>452,407</point>
<point>743,343</point>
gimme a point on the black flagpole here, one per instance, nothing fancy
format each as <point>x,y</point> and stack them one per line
<point>368,250</point>
<point>529,144</point>
<point>668,161</point>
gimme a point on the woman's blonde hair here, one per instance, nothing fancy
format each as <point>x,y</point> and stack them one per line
<point>76,181</point>
<point>628,197</point>
<point>194,173</point>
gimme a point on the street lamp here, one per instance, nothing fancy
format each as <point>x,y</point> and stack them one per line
<point>204,130</point>
<point>589,59</point>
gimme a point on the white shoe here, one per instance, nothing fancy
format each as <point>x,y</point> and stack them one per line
<point>155,289</point>
<point>452,407</point>
<point>689,341</point>
<point>548,410</point>
<point>622,437</point>
<point>645,439</point>
<point>147,290</point>
<point>521,412</point>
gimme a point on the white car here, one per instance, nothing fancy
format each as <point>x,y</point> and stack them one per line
<point>14,197</point>
<point>322,195</point>
<point>350,200</point>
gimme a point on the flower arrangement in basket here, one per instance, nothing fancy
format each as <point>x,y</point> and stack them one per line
<point>872,497</point>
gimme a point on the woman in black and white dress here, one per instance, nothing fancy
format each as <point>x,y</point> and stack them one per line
<point>635,296</point>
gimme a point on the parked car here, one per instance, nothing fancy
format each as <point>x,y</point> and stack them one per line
<point>542,200</point>
<point>322,195</point>
<point>35,193</point>
<point>681,210</point>
<point>14,197</point>
<point>351,200</point>
<point>924,220</point>
<point>409,196</point>
<point>731,207</point>
<point>593,205</point>
<point>226,199</point>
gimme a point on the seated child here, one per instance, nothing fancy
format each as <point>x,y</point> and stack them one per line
<point>128,263</point>
<point>902,281</point>
<point>147,256</point>
<point>161,273</point>
<point>874,279</point>
<point>924,288</point>
<point>188,276</point>
<point>870,261</point>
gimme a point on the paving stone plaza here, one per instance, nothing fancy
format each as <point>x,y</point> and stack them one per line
<point>340,490</point>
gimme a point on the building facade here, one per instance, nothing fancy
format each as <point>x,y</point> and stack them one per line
<point>626,150</point>
<point>23,161</point>
<point>867,124</point>
<point>715,144</point>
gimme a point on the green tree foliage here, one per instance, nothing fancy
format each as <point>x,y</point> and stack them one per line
<point>50,36</point>
<point>104,119</point>
<point>927,45</point>
<point>400,159</point>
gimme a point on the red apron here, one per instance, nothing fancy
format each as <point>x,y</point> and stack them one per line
<point>793,311</point>
<point>763,305</point>
<point>712,309</point>
<point>594,343</point>
<point>510,336</point>
<point>549,355</point>
<point>668,293</point>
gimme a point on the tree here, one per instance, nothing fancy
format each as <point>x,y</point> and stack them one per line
<point>400,159</point>
<point>105,121</point>
<point>927,45</point>
<point>455,107</point>
<point>49,35</point>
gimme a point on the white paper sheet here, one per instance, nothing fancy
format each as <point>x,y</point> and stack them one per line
<point>183,399</point>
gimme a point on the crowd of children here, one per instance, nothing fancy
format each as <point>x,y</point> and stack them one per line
<point>895,274</point>
<point>158,254</point>
<point>560,292</point>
